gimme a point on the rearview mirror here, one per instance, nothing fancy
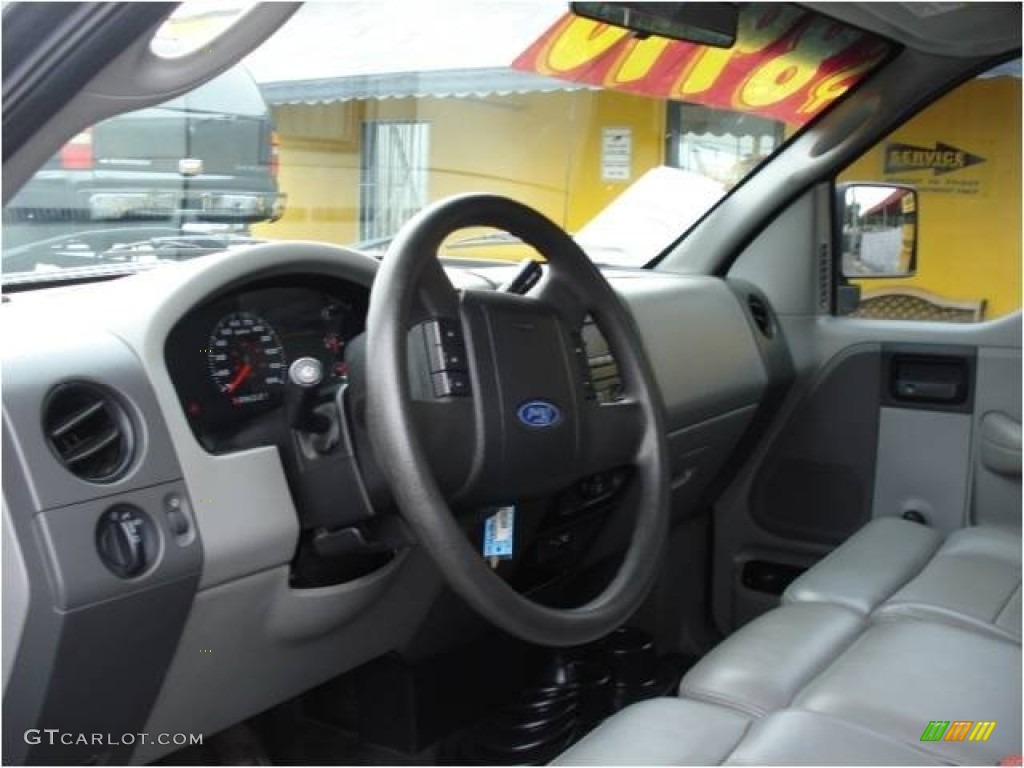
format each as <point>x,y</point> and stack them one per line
<point>713,24</point>
<point>878,229</point>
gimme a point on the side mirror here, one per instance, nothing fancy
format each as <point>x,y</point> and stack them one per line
<point>877,229</point>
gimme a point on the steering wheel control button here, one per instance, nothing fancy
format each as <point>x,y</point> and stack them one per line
<point>538,414</point>
<point>450,384</point>
<point>583,364</point>
<point>450,358</point>
<point>124,540</point>
<point>306,372</point>
<point>444,332</point>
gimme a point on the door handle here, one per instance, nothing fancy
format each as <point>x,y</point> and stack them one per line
<point>932,391</point>
<point>1000,444</point>
<point>940,380</point>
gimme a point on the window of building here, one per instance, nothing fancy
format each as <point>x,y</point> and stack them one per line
<point>717,143</point>
<point>393,178</point>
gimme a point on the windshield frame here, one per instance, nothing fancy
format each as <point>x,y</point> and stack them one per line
<point>896,50</point>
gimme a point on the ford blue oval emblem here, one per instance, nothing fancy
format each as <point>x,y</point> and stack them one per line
<point>539,414</point>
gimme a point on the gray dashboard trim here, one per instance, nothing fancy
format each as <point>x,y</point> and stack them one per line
<point>77,609</point>
<point>78,576</point>
<point>235,621</point>
<point>245,527</point>
<point>311,613</point>
<point>35,653</point>
<point>699,342</point>
<point>91,669</point>
<point>44,358</point>
<point>249,530</point>
<point>17,594</point>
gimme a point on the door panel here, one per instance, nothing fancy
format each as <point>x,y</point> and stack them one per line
<point>847,447</point>
<point>924,437</point>
<point>996,486</point>
<point>887,417</point>
<point>923,466</point>
<point>816,483</point>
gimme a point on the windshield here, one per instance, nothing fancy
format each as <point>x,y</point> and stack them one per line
<point>355,115</point>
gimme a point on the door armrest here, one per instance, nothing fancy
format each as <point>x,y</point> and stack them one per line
<point>1000,444</point>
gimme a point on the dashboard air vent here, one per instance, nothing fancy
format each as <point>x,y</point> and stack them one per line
<point>89,431</point>
<point>761,314</point>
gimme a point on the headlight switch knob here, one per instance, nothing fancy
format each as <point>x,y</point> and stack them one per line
<point>124,540</point>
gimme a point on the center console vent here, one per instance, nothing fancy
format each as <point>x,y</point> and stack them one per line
<point>89,432</point>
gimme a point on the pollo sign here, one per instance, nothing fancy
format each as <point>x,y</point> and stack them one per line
<point>787,64</point>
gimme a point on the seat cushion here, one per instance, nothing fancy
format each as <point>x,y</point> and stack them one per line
<point>661,732</point>
<point>762,667</point>
<point>682,732</point>
<point>796,737</point>
<point>868,567</point>
<point>894,630</point>
<point>974,581</point>
<point>898,676</point>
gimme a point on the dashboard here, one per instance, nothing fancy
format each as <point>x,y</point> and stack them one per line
<point>186,364</point>
<point>229,357</point>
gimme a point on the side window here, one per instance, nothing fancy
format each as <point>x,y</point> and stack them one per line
<point>962,157</point>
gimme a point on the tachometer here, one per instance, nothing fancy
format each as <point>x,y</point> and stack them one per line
<point>246,359</point>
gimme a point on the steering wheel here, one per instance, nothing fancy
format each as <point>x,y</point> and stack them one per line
<point>519,422</point>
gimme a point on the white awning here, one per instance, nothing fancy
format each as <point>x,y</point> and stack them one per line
<point>360,38</point>
<point>453,83</point>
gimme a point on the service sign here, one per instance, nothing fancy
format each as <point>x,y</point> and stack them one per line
<point>787,64</point>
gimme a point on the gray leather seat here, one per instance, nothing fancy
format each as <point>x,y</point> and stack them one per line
<point>762,668</point>
<point>892,568</point>
<point>869,567</point>
<point>896,628</point>
<point>974,581</point>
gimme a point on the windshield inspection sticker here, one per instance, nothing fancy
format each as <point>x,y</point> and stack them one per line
<point>499,535</point>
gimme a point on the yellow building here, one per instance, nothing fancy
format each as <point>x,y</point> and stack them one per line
<point>438,145</point>
<point>963,155</point>
<point>360,155</point>
<point>361,152</point>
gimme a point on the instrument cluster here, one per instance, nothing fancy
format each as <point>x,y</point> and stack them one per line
<point>229,358</point>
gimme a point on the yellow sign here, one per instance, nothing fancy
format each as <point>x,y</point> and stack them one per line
<point>787,63</point>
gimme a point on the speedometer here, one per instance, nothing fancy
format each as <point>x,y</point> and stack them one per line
<point>247,362</point>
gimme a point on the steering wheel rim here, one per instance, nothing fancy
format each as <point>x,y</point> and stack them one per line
<point>404,278</point>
